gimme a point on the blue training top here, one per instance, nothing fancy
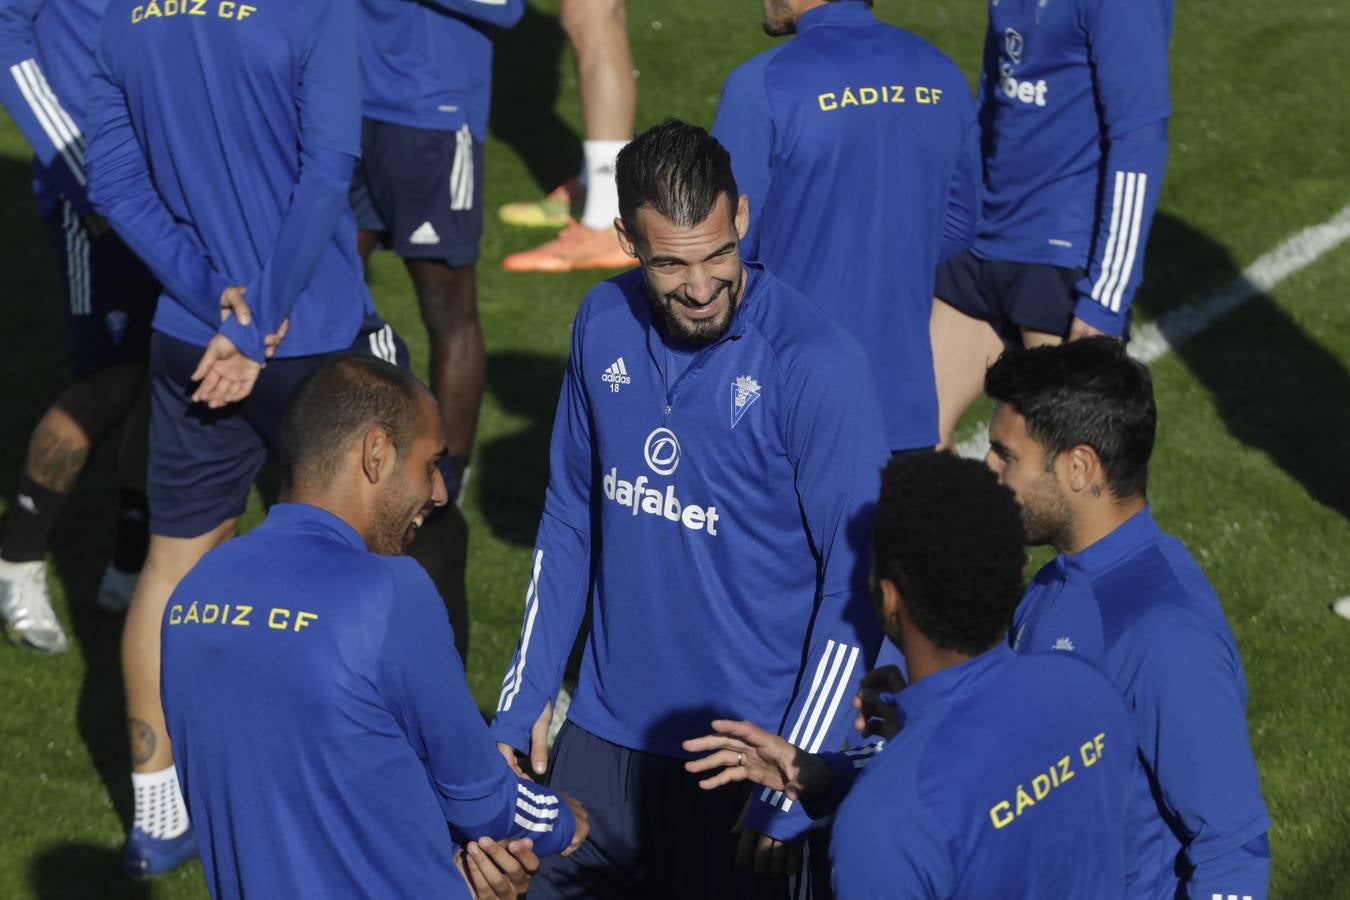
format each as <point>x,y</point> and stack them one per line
<point>1136,603</point>
<point>429,64</point>
<point>1073,117</point>
<point>857,145</point>
<point>716,510</point>
<point>223,139</point>
<point>322,726</point>
<point>47,56</point>
<point>1009,778</point>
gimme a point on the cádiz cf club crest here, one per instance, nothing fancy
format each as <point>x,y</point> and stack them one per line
<point>744,393</point>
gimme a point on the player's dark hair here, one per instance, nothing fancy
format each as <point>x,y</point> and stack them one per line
<point>1083,392</point>
<point>950,538</point>
<point>677,169</point>
<point>334,406</point>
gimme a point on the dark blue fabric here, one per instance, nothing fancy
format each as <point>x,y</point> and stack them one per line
<point>221,148</point>
<point>1136,603</point>
<point>1009,296</point>
<point>322,726</point>
<point>857,144</point>
<point>1009,778</point>
<point>716,523</point>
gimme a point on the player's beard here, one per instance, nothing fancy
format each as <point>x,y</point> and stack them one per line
<point>395,512</point>
<point>1046,514</point>
<point>778,18</point>
<point>699,334</point>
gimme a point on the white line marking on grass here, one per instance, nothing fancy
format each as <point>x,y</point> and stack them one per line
<point>1173,328</point>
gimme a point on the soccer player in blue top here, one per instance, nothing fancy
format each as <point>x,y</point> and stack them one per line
<point>223,135</point>
<point>46,54</point>
<point>1073,118</point>
<point>324,730</point>
<point>1072,433</point>
<point>427,70</point>
<point>858,147</point>
<point>713,464</point>
<point>1009,774</point>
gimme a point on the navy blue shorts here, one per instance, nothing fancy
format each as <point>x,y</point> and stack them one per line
<point>1009,296</point>
<point>654,832</point>
<point>110,295</point>
<point>203,461</point>
<point>421,190</point>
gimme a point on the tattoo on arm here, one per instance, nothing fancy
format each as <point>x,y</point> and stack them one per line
<point>53,461</point>
<point>142,742</point>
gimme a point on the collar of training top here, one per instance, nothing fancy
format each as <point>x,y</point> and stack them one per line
<point>839,12</point>
<point>1136,531</point>
<point>304,517</point>
<point>925,693</point>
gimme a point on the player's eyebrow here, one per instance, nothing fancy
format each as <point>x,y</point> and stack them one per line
<point>1001,451</point>
<point>729,245</point>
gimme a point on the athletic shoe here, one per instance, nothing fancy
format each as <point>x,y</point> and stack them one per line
<point>27,607</point>
<point>554,211</point>
<point>144,855</point>
<point>575,247</point>
<point>116,589</point>
<point>1342,607</point>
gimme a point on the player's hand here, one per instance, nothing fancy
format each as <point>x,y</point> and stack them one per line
<point>232,304</point>
<point>273,340</point>
<point>538,745</point>
<point>226,376</point>
<point>96,225</point>
<point>583,823</point>
<point>498,871</point>
<point>1080,329</point>
<point>770,858</point>
<point>875,716</point>
<point>745,752</point>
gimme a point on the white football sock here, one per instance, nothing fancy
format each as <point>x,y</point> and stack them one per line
<point>602,195</point>
<point>160,811</point>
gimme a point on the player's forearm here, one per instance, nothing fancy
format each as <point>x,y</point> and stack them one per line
<point>522,810</point>
<point>1133,181</point>
<point>1243,872</point>
<point>306,231</point>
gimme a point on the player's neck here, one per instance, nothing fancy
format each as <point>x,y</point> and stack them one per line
<point>924,658</point>
<point>1095,520</point>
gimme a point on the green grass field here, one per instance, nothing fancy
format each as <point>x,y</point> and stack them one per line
<point>1249,469</point>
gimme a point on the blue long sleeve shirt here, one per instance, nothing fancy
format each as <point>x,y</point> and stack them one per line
<point>1009,778</point>
<point>46,54</point>
<point>1136,603</point>
<point>429,64</point>
<point>715,509</point>
<point>858,146</point>
<point>223,139</point>
<point>1073,114</point>
<point>322,726</point>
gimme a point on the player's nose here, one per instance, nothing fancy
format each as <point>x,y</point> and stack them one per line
<point>439,494</point>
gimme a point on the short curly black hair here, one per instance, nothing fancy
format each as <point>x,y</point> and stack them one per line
<point>950,538</point>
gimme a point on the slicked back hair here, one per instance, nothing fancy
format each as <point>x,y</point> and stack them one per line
<point>336,405</point>
<point>1084,392</point>
<point>950,538</point>
<point>677,169</point>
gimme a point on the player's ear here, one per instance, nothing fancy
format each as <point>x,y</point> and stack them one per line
<point>891,606</point>
<point>1085,468</point>
<point>742,218</point>
<point>377,454</point>
<point>626,240</point>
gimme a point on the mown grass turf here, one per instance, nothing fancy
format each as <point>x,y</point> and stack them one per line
<point>1249,469</point>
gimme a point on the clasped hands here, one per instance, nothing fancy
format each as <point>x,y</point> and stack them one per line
<point>225,375</point>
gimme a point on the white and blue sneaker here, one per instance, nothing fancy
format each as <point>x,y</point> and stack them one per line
<point>145,856</point>
<point>26,607</point>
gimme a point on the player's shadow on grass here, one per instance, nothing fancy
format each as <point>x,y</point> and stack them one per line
<point>35,369</point>
<point>79,871</point>
<point>1277,389</point>
<point>512,469</point>
<point>526,61</point>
